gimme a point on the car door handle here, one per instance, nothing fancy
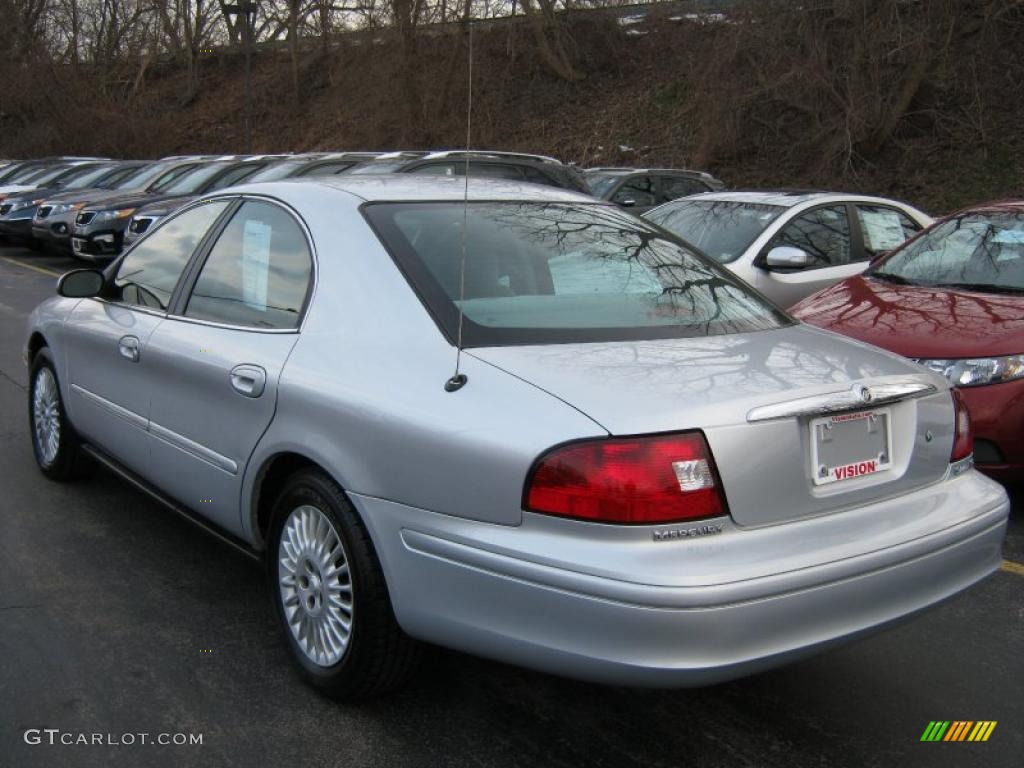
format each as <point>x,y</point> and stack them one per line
<point>248,380</point>
<point>128,346</point>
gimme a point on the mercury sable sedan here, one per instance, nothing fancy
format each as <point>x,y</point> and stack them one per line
<point>529,426</point>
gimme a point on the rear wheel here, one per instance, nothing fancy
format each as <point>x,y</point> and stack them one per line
<point>329,593</point>
<point>54,441</point>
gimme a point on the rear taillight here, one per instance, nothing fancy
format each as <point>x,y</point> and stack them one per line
<point>637,480</point>
<point>963,438</point>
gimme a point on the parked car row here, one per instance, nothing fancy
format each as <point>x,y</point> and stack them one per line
<point>787,244</point>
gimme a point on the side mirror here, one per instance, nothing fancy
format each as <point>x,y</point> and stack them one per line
<point>787,257</point>
<point>81,283</point>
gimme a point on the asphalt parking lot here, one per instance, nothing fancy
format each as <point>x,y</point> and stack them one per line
<point>117,618</point>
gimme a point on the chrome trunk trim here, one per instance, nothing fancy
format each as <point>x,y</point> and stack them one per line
<point>853,398</point>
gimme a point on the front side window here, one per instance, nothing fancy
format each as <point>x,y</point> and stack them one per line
<point>824,233</point>
<point>638,191</point>
<point>599,183</point>
<point>87,177</point>
<point>976,251</point>
<point>560,272</point>
<point>258,272</point>
<point>149,272</point>
<point>723,229</point>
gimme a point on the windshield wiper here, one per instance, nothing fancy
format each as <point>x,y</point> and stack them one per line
<point>889,277</point>
<point>984,287</point>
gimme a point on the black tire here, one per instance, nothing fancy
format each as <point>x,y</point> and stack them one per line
<point>378,657</point>
<point>64,465</point>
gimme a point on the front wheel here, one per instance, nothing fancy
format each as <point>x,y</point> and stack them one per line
<point>329,593</point>
<point>54,441</point>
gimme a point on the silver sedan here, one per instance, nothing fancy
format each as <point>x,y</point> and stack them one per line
<point>528,426</point>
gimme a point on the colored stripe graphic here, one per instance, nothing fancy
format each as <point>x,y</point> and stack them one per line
<point>935,730</point>
<point>958,730</point>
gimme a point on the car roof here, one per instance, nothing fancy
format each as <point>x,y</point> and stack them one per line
<point>396,187</point>
<point>783,198</point>
<point>1009,206</point>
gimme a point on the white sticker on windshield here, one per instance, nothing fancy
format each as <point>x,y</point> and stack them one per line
<point>255,263</point>
<point>1009,237</point>
<point>883,230</point>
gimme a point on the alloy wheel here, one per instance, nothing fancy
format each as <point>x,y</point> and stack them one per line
<point>46,416</point>
<point>315,585</point>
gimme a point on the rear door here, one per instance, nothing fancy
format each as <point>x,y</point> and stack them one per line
<point>824,233</point>
<point>109,339</point>
<point>216,359</point>
<point>881,228</point>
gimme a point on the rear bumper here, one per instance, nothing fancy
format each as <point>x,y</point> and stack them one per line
<point>611,605</point>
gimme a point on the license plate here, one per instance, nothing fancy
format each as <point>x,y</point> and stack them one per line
<point>846,446</point>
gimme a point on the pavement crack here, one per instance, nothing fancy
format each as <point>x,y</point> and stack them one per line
<point>19,607</point>
<point>19,386</point>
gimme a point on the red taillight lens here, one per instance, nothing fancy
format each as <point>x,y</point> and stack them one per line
<point>638,480</point>
<point>963,437</point>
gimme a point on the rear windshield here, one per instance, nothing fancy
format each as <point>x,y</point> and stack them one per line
<point>723,229</point>
<point>542,273</point>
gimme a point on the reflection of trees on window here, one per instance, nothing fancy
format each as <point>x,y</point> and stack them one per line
<point>981,250</point>
<point>722,229</point>
<point>823,233</point>
<point>640,190</point>
<point>588,266</point>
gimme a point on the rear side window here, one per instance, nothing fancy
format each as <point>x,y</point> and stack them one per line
<point>884,228</point>
<point>559,273</point>
<point>150,271</point>
<point>258,272</point>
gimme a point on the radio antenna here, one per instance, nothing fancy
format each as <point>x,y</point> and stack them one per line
<point>459,379</point>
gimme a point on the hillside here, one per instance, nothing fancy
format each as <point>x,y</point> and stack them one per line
<point>929,109</point>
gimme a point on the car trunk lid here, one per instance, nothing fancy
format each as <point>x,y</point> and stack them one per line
<point>759,397</point>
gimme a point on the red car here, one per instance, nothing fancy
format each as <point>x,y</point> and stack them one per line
<point>952,298</point>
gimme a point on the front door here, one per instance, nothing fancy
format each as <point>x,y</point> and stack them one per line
<point>216,360</point>
<point>109,339</point>
<point>824,234</point>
